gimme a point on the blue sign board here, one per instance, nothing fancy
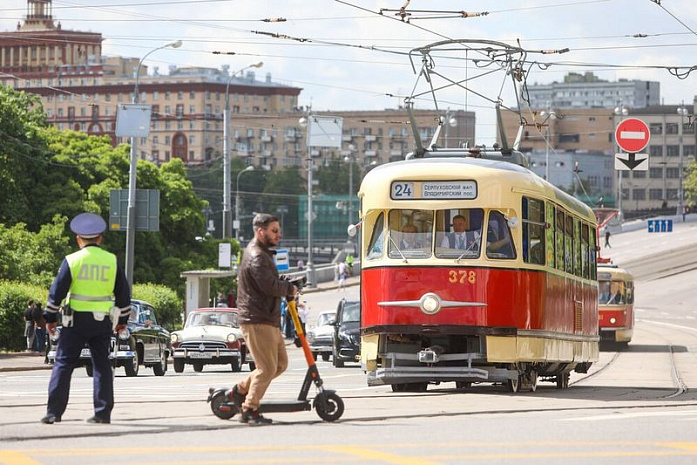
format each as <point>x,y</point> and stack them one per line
<point>660,226</point>
<point>282,260</point>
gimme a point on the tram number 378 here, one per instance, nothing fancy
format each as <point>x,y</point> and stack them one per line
<point>462,276</point>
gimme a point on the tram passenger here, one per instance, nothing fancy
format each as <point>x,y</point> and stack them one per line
<point>461,237</point>
<point>498,238</point>
<point>409,237</point>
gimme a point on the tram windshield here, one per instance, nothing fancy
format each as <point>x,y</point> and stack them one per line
<point>453,233</point>
<point>614,293</point>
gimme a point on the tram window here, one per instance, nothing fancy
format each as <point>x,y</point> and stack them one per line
<point>459,233</point>
<point>568,244</point>
<point>591,253</point>
<point>411,233</point>
<point>559,239</point>
<point>375,246</point>
<point>498,237</point>
<point>630,292</point>
<point>533,231</point>
<point>549,234</point>
<point>584,251</point>
<point>577,247</point>
<point>612,293</point>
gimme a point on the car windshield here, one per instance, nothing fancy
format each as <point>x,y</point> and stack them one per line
<point>352,311</point>
<point>326,319</point>
<point>212,319</point>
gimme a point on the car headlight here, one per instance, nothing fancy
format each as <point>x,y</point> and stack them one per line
<point>613,321</point>
<point>174,337</point>
<point>310,337</point>
<point>124,334</point>
<point>231,337</point>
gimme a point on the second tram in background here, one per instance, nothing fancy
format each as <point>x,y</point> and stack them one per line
<point>474,270</point>
<point>615,304</point>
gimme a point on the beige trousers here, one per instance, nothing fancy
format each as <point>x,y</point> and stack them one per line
<point>266,344</point>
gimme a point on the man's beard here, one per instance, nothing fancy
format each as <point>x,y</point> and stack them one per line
<point>268,241</point>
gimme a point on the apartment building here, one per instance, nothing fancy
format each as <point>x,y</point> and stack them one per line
<point>588,91</point>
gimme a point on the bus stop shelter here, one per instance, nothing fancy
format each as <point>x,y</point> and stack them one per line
<point>198,287</point>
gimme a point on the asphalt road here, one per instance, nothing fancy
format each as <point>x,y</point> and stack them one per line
<point>636,407</point>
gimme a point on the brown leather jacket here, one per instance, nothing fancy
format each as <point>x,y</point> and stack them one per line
<point>259,289</point>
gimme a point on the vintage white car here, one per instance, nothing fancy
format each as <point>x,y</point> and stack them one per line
<point>321,337</point>
<point>211,336</point>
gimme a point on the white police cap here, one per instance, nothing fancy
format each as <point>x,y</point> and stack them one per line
<point>88,225</point>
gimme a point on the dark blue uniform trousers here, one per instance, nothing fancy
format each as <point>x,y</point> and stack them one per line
<point>97,334</point>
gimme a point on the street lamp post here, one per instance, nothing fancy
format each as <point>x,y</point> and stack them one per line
<point>450,122</point>
<point>350,160</point>
<point>303,122</point>
<point>620,111</point>
<point>131,219</point>
<point>237,201</point>
<point>227,224</point>
<point>682,111</point>
<point>549,114</point>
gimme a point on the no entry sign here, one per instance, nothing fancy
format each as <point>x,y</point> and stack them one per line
<point>632,135</point>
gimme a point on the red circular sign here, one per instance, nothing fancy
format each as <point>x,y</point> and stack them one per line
<point>632,135</point>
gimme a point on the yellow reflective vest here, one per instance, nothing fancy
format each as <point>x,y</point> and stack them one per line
<point>93,273</point>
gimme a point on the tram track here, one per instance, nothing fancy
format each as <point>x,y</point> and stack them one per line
<point>663,264</point>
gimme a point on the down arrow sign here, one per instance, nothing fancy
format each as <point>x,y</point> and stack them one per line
<point>632,162</point>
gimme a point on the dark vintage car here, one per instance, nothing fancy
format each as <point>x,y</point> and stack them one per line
<point>211,336</point>
<point>321,336</point>
<point>347,332</point>
<point>143,343</point>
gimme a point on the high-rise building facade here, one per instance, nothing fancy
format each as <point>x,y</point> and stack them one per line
<point>588,91</point>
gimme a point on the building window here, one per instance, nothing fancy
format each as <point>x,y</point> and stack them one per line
<point>671,128</point>
<point>168,95</point>
<point>638,194</point>
<point>672,173</point>
<point>671,194</point>
<point>180,95</point>
<point>192,140</point>
<point>656,128</point>
<point>168,140</point>
<point>639,174</point>
<point>155,95</point>
<point>673,150</point>
<point>655,194</point>
<point>192,95</point>
<point>180,110</point>
<point>656,173</point>
<point>656,150</point>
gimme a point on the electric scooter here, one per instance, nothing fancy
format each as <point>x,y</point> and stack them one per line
<point>328,404</point>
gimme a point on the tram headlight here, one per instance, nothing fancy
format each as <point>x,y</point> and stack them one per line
<point>613,320</point>
<point>430,304</point>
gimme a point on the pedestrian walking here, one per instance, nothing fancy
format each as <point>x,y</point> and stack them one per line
<point>342,274</point>
<point>39,328</point>
<point>607,238</point>
<point>260,290</point>
<point>29,325</point>
<point>90,289</point>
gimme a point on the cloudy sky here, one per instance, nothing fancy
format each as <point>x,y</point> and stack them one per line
<point>349,57</point>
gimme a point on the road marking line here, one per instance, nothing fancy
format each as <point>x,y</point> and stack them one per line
<point>370,454</point>
<point>11,457</point>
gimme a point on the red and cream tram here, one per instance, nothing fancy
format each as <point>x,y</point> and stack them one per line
<point>615,304</point>
<point>474,270</point>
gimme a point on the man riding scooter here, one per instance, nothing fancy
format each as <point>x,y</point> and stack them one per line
<point>260,290</point>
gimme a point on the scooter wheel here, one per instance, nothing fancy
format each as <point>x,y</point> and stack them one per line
<point>329,406</point>
<point>222,407</point>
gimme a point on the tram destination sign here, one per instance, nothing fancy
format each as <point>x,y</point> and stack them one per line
<point>433,190</point>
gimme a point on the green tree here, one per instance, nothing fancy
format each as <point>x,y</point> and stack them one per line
<point>23,155</point>
<point>282,192</point>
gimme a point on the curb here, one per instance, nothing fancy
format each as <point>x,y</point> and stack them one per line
<point>9,369</point>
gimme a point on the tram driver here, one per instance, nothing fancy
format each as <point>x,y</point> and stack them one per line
<point>462,237</point>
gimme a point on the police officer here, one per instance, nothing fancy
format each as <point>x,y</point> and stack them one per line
<point>88,280</point>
